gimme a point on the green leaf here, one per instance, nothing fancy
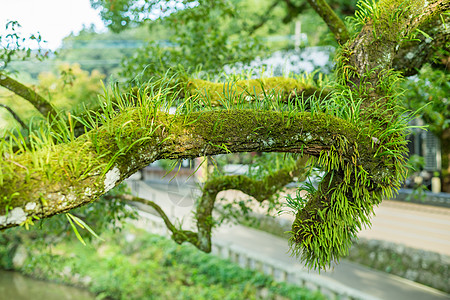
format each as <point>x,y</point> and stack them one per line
<point>83,225</point>
<point>75,230</point>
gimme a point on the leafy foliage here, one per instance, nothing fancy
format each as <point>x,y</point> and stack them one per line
<point>428,93</point>
<point>71,90</point>
<point>199,41</point>
<point>16,47</point>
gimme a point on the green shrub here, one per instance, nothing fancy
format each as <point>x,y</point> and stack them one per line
<point>153,267</point>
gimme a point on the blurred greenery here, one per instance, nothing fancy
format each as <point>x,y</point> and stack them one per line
<point>429,92</point>
<point>69,88</point>
<point>203,38</point>
<point>136,265</point>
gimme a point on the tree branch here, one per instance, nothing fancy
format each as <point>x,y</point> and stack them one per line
<point>261,190</point>
<point>329,218</point>
<point>293,10</point>
<point>334,23</point>
<point>15,116</point>
<point>39,102</point>
<point>178,235</point>
<point>362,151</point>
<point>263,18</point>
<point>57,178</point>
<point>413,54</point>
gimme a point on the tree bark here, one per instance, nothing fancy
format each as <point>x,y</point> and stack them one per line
<point>57,178</point>
<point>413,54</point>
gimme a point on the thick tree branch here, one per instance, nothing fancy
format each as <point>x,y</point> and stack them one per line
<point>334,23</point>
<point>362,152</point>
<point>378,41</point>
<point>331,215</point>
<point>39,102</point>
<point>413,54</point>
<point>61,177</point>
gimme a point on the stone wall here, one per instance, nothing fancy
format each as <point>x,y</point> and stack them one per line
<point>424,197</point>
<point>429,268</point>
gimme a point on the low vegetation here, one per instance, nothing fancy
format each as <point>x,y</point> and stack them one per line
<point>136,265</point>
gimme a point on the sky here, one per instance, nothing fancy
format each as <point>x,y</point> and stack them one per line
<point>53,19</point>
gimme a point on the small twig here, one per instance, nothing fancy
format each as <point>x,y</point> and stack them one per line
<point>17,164</point>
<point>263,18</point>
<point>15,116</point>
<point>39,102</point>
<point>178,235</point>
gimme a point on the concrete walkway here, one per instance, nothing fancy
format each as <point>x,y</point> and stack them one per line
<point>177,202</point>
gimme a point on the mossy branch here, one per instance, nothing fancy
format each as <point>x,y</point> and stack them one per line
<point>178,235</point>
<point>280,88</point>
<point>414,53</point>
<point>359,142</point>
<point>60,177</point>
<point>334,23</point>
<point>329,217</point>
<point>39,102</point>
<point>262,190</point>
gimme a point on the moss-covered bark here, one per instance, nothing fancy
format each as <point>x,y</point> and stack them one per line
<point>344,201</point>
<point>279,88</point>
<point>58,178</point>
<point>414,53</point>
<point>334,23</point>
<point>263,189</point>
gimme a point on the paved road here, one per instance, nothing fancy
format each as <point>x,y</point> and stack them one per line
<point>176,202</point>
<point>414,225</point>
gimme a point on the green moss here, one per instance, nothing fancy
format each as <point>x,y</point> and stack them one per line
<point>252,89</point>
